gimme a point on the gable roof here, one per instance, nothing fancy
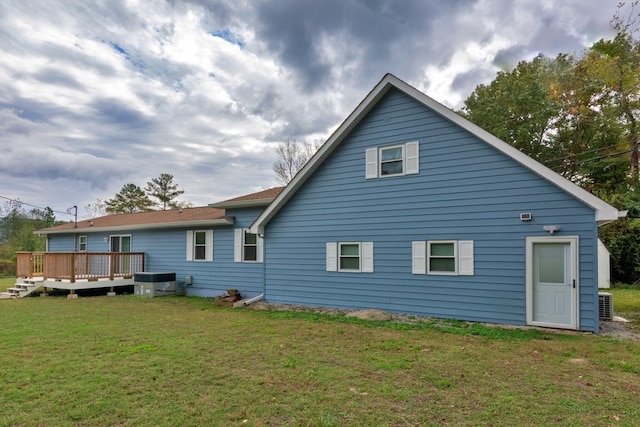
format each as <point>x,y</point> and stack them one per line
<point>261,198</point>
<point>604,212</point>
<point>187,217</point>
<point>213,214</point>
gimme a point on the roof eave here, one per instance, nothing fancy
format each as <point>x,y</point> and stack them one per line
<point>178,224</point>
<point>604,212</point>
<point>323,152</point>
<point>242,204</point>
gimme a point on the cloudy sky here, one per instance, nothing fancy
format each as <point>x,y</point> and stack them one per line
<point>95,95</point>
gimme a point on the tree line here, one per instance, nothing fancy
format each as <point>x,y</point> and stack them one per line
<point>578,115</point>
<point>159,194</point>
<point>17,226</point>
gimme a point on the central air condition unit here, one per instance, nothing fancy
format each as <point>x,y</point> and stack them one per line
<point>605,303</point>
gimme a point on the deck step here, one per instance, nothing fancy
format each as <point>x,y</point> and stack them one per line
<point>7,295</point>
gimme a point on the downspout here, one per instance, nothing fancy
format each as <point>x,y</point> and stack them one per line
<point>252,300</point>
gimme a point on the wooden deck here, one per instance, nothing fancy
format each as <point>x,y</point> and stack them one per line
<point>73,271</point>
<point>72,267</point>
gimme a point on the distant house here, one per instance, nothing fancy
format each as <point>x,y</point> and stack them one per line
<point>407,207</point>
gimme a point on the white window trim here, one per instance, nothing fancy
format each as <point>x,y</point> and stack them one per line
<point>365,256</point>
<point>350,270</point>
<point>191,246</point>
<point>463,253</point>
<point>239,244</point>
<point>455,257</point>
<point>86,241</point>
<point>402,159</point>
<point>410,160</point>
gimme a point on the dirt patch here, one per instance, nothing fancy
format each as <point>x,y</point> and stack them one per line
<point>607,328</point>
<point>618,330</point>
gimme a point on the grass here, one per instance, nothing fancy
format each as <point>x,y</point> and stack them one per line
<point>6,282</point>
<point>130,361</point>
<point>626,303</point>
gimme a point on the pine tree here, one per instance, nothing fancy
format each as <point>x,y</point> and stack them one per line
<point>164,190</point>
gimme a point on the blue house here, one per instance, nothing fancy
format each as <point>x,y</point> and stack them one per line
<point>408,207</point>
<point>210,247</point>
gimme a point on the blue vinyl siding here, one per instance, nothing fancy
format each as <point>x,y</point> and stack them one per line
<point>466,190</point>
<point>165,251</point>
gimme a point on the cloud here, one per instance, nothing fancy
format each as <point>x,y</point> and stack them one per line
<point>98,95</point>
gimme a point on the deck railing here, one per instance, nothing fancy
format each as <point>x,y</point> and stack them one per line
<point>78,265</point>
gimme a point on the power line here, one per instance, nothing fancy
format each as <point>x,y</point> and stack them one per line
<point>594,158</point>
<point>581,153</point>
<point>34,206</point>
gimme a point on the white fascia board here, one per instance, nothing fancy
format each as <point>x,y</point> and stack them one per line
<point>156,226</point>
<point>604,212</point>
<point>241,204</point>
<point>323,152</point>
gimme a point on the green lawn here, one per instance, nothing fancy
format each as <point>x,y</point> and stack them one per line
<point>133,361</point>
<point>6,282</point>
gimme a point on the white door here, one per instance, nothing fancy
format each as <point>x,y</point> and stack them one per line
<point>552,286</point>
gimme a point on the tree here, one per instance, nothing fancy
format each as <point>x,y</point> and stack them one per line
<point>516,107</point>
<point>17,232</point>
<point>579,115</point>
<point>96,208</point>
<point>291,156</point>
<point>164,190</point>
<point>130,199</point>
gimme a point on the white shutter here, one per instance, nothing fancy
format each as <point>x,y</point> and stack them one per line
<point>237,244</point>
<point>419,257</point>
<point>465,257</point>
<point>209,245</point>
<point>259,248</point>
<point>189,245</point>
<point>412,153</point>
<point>371,158</point>
<point>367,257</point>
<point>332,256</point>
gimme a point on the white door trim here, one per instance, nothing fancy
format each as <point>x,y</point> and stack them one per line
<point>573,242</point>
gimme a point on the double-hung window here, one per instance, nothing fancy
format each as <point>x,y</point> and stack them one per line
<point>441,258</point>
<point>355,257</point>
<point>200,245</point>
<point>392,160</point>
<point>446,257</point>
<point>248,246</point>
<point>349,257</point>
<point>82,243</point>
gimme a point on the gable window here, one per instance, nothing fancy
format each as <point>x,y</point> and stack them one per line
<point>393,160</point>
<point>350,256</point>
<point>82,243</point>
<point>448,257</point>
<point>248,246</point>
<point>200,245</point>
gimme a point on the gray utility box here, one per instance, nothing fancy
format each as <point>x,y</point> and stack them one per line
<point>150,284</point>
